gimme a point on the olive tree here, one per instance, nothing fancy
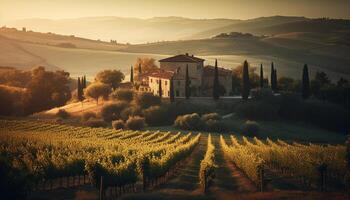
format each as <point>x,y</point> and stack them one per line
<point>97,90</point>
<point>110,77</point>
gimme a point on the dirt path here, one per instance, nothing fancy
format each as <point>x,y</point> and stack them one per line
<point>223,173</point>
<point>187,178</point>
<point>229,181</point>
<point>185,185</point>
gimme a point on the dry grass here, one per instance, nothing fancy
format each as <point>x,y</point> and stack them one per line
<point>75,109</point>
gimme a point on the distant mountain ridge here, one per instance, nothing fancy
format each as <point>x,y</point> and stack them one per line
<point>133,30</point>
<point>136,30</point>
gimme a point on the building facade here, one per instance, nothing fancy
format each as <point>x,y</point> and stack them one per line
<point>200,77</point>
<point>225,81</point>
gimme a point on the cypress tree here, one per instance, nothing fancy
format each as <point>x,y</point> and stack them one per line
<point>216,84</point>
<point>275,81</point>
<point>272,76</point>
<point>245,81</point>
<point>132,74</point>
<point>140,70</point>
<point>305,83</point>
<point>187,84</point>
<point>232,84</point>
<point>160,88</point>
<point>261,76</point>
<point>80,90</point>
<point>83,82</point>
<point>171,95</point>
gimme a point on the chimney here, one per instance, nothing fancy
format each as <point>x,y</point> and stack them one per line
<point>192,55</point>
<point>186,54</point>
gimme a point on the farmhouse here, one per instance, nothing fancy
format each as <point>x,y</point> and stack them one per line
<point>174,68</point>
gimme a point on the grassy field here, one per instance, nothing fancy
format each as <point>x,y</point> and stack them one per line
<point>289,131</point>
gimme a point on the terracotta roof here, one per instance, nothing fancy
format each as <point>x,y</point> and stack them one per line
<point>167,75</point>
<point>147,74</point>
<point>208,70</point>
<point>182,58</point>
<point>162,74</point>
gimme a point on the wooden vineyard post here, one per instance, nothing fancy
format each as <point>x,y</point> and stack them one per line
<point>144,182</point>
<point>261,177</point>
<point>145,167</point>
<point>205,181</point>
<point>323,176</point>
<point>101,188</point>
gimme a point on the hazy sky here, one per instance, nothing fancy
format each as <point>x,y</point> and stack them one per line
<point>240,9</point>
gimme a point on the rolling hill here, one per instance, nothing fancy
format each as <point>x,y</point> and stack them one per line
<point>132,30</point>
<point>14,55</point>
<point>317,49</point>
<point>279,25</point>
<point>136,30</point>
<point>327,51</point>
<point>249,26</point>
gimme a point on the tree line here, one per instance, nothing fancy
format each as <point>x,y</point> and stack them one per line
<point>27,92</point>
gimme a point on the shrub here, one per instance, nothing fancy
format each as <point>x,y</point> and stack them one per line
<point>88,115</point>
<point>122,95</point>
<point>157,115</point>
<point>112,111</point>
<point>208,122</point>
<point>250,128</point>
<point>146,99</point>
<point>95,123</point>
<point>118,124</point>
<point>62,114</point>
<point>189,122</point>
<point>130,111</point>
<point>215,126</point>
<point>210,116</point>
<point>135,123</point>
